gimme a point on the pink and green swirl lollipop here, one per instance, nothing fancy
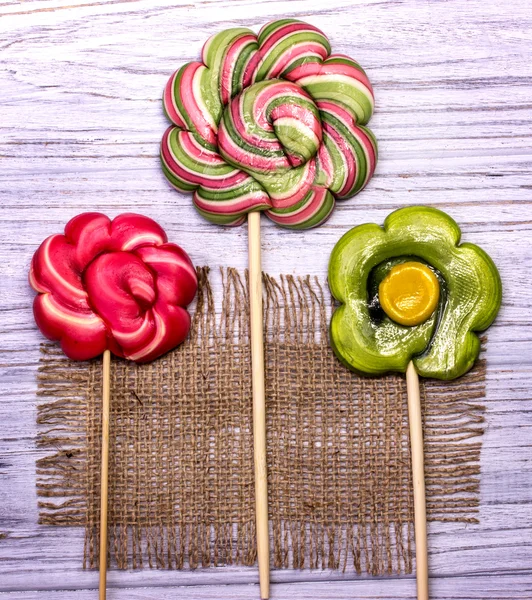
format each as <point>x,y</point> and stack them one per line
<point>271,122</point>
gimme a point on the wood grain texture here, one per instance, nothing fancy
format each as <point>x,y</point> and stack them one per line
<point>80,124</point>
<point>256,331</point>
<point>104,473</point>
<point>415,421</point>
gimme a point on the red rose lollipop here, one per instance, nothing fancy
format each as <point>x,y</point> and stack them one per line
<point>115,285</point>
<point>112,286</point>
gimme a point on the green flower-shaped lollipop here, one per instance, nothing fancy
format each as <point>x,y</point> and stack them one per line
<point>410,291</point>
<point>412,299</point>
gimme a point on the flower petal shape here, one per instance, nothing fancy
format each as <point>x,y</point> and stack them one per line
<point>271,122</point>
<point>444,346</point>
<point>116,285</point>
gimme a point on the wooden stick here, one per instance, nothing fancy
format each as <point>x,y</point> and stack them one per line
<point>418,481</point>
<point>259,405</point>
<point>104,472</point>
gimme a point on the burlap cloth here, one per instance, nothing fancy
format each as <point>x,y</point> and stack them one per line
<point>181,451</point>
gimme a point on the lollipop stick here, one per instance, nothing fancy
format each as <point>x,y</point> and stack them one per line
<point>418,481</point>
<point>104,472</point>
<point>259,408</point>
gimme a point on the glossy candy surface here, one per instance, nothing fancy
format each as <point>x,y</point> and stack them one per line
<point>116,285</point>
<point>409,293</point>
<point>271,122</point>
<point>443,346</point>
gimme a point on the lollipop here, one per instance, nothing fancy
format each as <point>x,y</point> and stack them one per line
<point>412,298</point>
<point>112,286</point>
<point>271,122</point>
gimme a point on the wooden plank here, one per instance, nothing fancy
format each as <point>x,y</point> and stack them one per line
<point>80,125</point>
<point>473,588</point>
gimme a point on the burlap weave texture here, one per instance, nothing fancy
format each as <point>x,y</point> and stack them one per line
<point>181,471</point>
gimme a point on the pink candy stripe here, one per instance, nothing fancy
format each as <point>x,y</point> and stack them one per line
<point>273,91</point>
<point>251,70</point>
<point>235,206</point>
<point>252,161</point>
<point>197,152</point>
<point>369,150</point>
<point>231,180</point>
<point>286,30</point>
<point>306,213</point>
<point>339,112</point>
<point>303,115</point>
<point>361,136</point>
<point>186,92</point>
<point>251,138</point>
<point>303,187</point>
<point>325,164</point>
<point>171,108</point>
<point>349,157</point>
<point>228,66</point>
<point>326,68</point>
<point>296,52</point>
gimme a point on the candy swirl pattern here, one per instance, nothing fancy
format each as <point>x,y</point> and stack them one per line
<point>271,122</point>
<point>116,285</point>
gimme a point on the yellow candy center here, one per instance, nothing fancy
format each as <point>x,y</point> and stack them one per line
<point>409,293</point>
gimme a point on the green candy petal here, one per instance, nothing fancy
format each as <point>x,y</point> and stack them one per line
<point>445,346</point>
<point>327,88</point>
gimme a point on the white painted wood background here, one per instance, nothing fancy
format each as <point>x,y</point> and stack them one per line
<point>80,123</point>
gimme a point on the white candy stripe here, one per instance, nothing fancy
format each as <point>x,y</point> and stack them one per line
<point>344,160</point>
<point>34,283</point>
<point>202,150</point>
<point>141,239</point>
<point>338,78</point>
<point>206,46</point>
<point>88,319</point>
<point>160,332</point>
<point>282,57</point>
<point>303,129</point>
<point>142,289</point>
<point>339,114</point>
<point>203,204</point>
<point>368,158</point>
<point>47,260</point>
<point>167,257</point>
<point>303,207</point>
<point>289,34</point>
<point>125,338</point>
<point>174,102</point>
<point>199,174</point>
<point>236,150</point>
<point>287,91</point>
<point>297,185</point>
<point>227,188</point>
<point>198,97</point>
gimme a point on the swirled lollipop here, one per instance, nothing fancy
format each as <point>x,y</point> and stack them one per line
<point>412,299</point>
<point>112,286</point>
<point>270,123</point>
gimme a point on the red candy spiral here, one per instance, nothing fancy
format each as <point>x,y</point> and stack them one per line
<point>116,285</point>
